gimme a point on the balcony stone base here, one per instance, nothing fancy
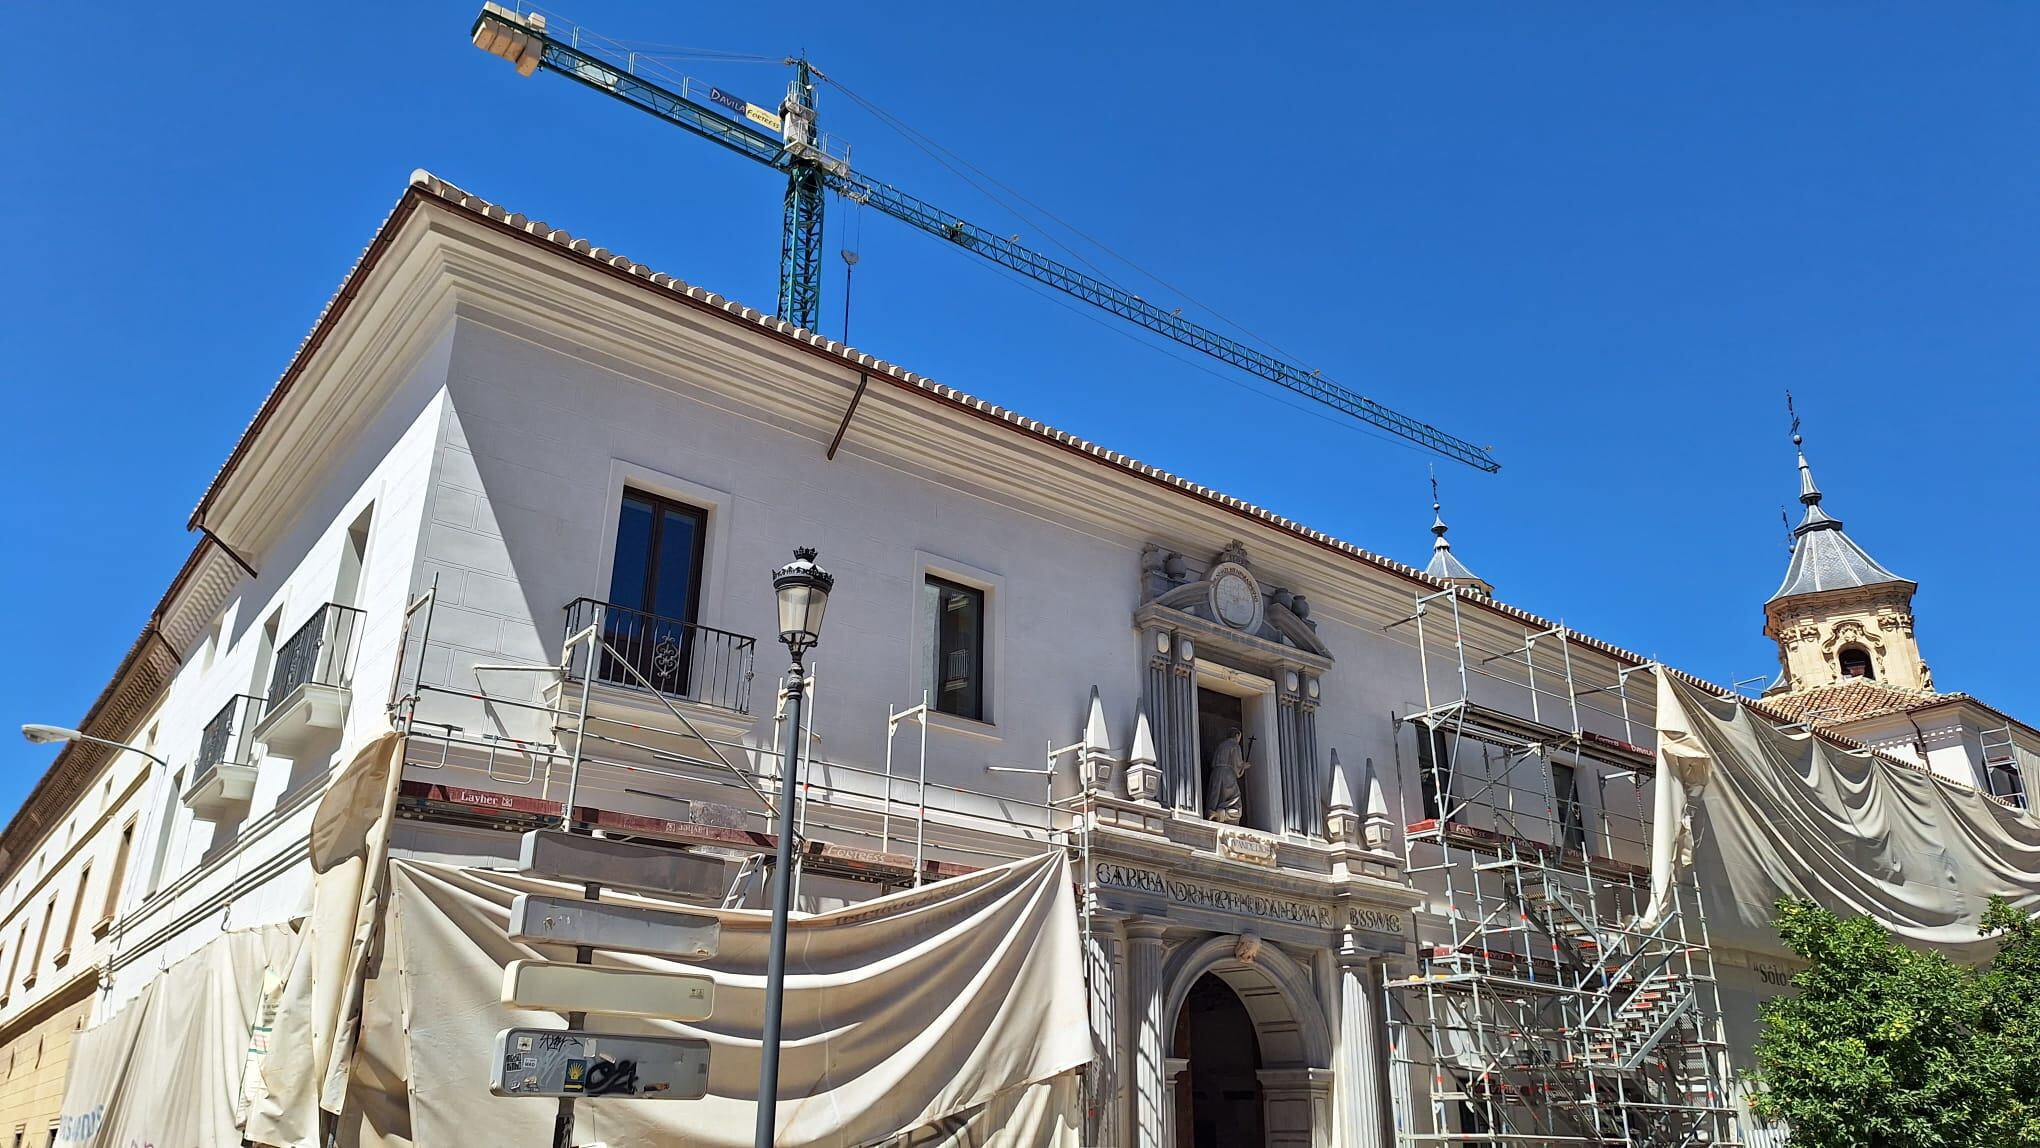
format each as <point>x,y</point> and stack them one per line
<point>312,713</point>
<point>220,790</point>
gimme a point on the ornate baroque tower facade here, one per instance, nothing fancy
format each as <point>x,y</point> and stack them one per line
<point>1840,615</point>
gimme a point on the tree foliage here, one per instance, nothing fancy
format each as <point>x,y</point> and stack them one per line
<point>1888,1047</point>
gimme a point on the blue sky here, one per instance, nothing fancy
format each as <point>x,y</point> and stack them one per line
<point>1603,240</point>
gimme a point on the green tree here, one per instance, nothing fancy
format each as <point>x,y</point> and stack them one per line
<point>1888,1047</point>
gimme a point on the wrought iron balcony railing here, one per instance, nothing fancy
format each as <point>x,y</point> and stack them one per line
<point>320,653</point>
<point>681,659</point>
<point>227,738</point>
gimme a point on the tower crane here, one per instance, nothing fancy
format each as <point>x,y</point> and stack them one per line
<point>789,141</point>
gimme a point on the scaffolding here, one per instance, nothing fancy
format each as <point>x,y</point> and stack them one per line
<point>545,753</point>
<point>1551,1003</point>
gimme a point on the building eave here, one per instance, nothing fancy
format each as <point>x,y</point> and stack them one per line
<point>144,672</point>
<point>426,190</point>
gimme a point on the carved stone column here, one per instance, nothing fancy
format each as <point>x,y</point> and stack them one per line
<point>1151,1093</point>
<point>1296,702</point>
<point>1171,707</point>
<point>1185,772</point>
<point>1308,785</point>
<point>1286,748</point>
<point>1361,1066</point>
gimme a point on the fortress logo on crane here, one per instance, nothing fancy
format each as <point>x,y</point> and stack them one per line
<point>746,108</point>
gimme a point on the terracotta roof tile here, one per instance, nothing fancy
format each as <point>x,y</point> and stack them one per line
<point>1850,701</point>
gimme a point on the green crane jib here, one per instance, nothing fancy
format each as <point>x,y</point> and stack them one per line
<point>788,141</point>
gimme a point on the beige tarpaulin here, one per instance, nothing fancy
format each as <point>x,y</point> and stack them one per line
<point>313,1031</point>
<point>953,1013</point>
<point>167,1069</point>
<point>1761,813</point>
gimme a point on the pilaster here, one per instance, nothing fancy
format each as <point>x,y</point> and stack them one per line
<point>1359,1061</point>
<point>1146,945</point>
<point>1105,974</point>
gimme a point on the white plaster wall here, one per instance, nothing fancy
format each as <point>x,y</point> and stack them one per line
<point>252,872</point>
<point>84,846</point>
<point>539,440</point>
<point>523,518</point>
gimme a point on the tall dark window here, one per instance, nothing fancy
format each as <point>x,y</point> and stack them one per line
<point>655,589</point>
<point>1565,794</point>
<point>1434,769</point>
<point>954,618</point>
<point>2006,782</point>
<point>1855,662</point>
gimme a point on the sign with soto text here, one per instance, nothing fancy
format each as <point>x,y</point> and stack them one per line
<point>584,1065</point>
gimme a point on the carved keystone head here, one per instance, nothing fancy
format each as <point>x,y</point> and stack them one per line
<point>1247,947</point>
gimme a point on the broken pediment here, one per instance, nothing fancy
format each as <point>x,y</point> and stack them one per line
<point>1226,592</point>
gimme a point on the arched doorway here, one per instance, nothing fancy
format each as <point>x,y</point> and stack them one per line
<point>1219,1102</point>
<point>1281,1054</point>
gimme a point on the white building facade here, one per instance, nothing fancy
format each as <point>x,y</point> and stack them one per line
<point>499,438</point>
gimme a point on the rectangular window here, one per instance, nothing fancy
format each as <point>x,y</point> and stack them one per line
<point>1565,794</point>
<point>1434,769</point>
<point>2005,782</point>
<point>658,557</point>
<point>954,620</point>
<point>165,829</point>
<point>120,866</point>
<point>654,592</point>
<point>265,655</point>
<point>20,943</point>
<point>353,553</point>
<point>77,907</point>
<point>42,937</point>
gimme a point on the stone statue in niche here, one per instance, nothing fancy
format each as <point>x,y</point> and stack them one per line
<point>1222,798</point>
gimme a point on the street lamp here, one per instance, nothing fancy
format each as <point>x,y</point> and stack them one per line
<point>54,734</point>
<point>803,590</point>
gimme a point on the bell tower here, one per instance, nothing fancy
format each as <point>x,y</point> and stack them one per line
<point>1840,616</point>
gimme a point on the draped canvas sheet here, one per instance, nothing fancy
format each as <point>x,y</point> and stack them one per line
<point>954,1013</point>
<point>169,1068</point>
<point>313,1030</point>
<point>1762,814</point>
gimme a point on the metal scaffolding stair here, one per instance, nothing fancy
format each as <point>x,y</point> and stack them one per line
<point>1551,1002</point>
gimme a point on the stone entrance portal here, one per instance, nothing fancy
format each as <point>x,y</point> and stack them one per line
<point>1246,1010</point>
<point>1218,1092</point>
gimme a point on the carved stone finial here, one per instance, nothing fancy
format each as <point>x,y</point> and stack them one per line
<point>1143,775</point>
<point>1096,756</point>
<point>1342,820</point>
<point>1374,821</point>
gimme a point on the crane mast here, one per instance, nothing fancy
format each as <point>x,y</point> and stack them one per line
<point>798,151</point>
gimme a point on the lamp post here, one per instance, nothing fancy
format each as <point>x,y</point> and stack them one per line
<point>53,734</point>
<point>803,591</point>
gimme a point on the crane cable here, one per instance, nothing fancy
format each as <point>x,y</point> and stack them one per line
<point>929,145</point>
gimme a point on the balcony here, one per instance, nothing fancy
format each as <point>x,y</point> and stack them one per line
<point>682,660</point>
<point>226,766</point>
<point>308,688</point>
